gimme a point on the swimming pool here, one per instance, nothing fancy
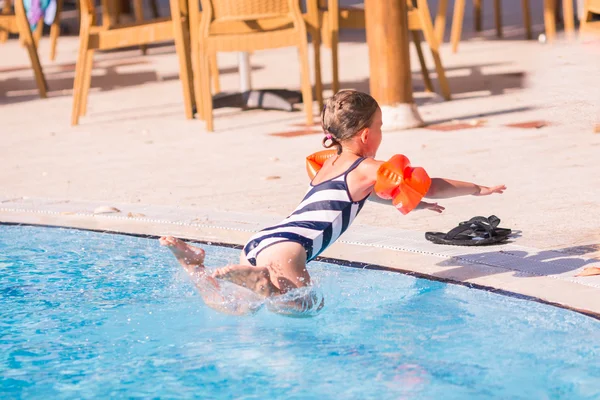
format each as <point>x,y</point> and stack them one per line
<point>87,314</point>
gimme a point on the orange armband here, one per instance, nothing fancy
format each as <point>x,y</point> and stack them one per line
<point>315,161</point>
<point>405,185</point>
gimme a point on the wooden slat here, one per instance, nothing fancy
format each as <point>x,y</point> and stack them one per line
<point>252,41</point>
<point>244,27</point>
<point>134,35</point>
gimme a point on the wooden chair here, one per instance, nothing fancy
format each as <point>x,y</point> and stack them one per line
<point>335,18</point>
<point>114,36</point>
<point>246,26</point>
<point>419,19</point>
<point>37,34</point>
<point>17,23</point>
<point>459,14</point>
<point>590,7</point>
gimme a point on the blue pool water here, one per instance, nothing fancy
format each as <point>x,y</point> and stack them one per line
<point>97,315</point>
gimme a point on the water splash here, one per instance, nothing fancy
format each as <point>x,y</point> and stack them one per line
<point>302,302</point>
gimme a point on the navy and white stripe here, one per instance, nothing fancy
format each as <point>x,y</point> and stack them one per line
<point>324,214</point>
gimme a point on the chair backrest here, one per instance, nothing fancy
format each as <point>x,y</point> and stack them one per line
<point>244,10</point>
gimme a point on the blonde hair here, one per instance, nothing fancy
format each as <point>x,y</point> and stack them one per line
<point>344,115</point>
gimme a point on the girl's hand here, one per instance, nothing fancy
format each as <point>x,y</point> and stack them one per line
<point>485,190</point>
<point>435,207</point>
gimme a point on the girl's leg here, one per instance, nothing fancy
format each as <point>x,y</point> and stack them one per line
<point>285,270</point>
<point>225,300</point>
<point>282,267</point>
<point>190,257</point>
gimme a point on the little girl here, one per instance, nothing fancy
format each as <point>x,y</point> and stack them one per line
<point>273,262</point>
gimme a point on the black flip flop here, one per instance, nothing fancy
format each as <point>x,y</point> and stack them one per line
<point>492,221</point>
<point>478,231</point>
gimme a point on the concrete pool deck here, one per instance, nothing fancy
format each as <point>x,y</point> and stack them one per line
<point>166,175</point>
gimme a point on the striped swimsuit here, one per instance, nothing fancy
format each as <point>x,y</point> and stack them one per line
<point>326,211</point>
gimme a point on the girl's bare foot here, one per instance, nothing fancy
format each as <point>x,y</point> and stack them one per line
<point>589,271</point>
<point>256,279</point>
<point>187,255</point>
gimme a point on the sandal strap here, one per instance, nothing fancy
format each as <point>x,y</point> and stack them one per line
<point>474,226</point>
<point>492,220</point>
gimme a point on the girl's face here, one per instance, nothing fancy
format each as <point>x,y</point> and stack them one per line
<point>372,136</point>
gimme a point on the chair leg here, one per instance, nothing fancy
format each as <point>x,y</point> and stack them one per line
<point>5,10</point>
<point>37,34</point>
<point>457,22</point>
<point>185,64</point>
<point>526,19</point>
<point>55,30</point>
<point>335,62</point>
<point>477,15</point>
<point>214,73</point>
<point>550,19</point>
<point>568,17</point>
<point>316,40</point>
<point>443,81</point>
<point>37,68</point>
<point>586,16</point>
<point>206,94</point>
<point>307,97</point>
<point>138,10</point>
<point>431,40</point>
<point>424,70</point>
<point>196,70</point>
<point>197,80</point>
<point>27,39</point>
<point>333,36</point>
<point>325,34</point>
<point>440,20</point>
<point>87,81</point>
<point>79,71</point>
<point>498,17</point>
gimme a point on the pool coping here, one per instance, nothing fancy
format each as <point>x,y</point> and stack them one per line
<point>538,275</point>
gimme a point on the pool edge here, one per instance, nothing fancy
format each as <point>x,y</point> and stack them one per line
<point>333,260</point>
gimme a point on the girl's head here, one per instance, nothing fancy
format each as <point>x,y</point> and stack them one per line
<point>352,118</point>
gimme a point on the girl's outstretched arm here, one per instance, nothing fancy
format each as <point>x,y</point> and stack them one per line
<point>445,188</point>
<point>435,207</point>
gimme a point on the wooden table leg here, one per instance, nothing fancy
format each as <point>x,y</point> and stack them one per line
<point>181,28</point>
<point>389,59</point>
